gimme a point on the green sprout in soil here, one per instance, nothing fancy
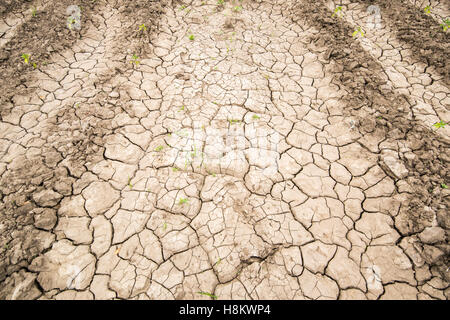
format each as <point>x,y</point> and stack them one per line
<point>71,22</point>
<point>26,58</point>
<point>220,2</point>
<point>445,24</point>
<point>218,261</point>
<point>256,117</point>
<point>232,121</point>
<point>444,186</point>
<point>237,8</point>
<point>338,9</point>
<point>129,183</point>
<point>164,226</point>
<point>358,30</point>
<point>175,169</point>
<point>427,9</point>
<point>182,7</point>
<point>142,27</point>
<point>33,12</point>
<point>208,294</point>
<point>34,65</point>
<point>135,59</point>
<point>440,124</point>
<point>191,37</point>
<point>181,108</point>
<point>183,201</point>
<point>159,148</point>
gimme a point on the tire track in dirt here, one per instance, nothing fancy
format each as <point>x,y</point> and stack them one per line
<point>51,137</point>
<point>428,95</point>
<point>39,37</point>
<point>427,167</point>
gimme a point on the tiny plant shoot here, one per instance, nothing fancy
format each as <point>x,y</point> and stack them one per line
<point>26,58</point>
<point>445,24</point>
<point>208,294</point>
<point>135,59</point>
<point>427,9</point>
<point>337,11</point>
<point>191,37</point>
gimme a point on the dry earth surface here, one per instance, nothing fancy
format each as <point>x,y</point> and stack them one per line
<point>238,150</point>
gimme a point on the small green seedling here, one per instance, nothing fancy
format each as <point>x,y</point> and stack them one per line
<point>71,22</point>
<point>142,27</point>
<point>218,261</point>
<point>181,108</point>
<point>26,58</point>
<point>174,169</point>
<point>336,11</point>
<point>182,7</point>
<point>208,294</point>
<point>445,25</point>
<point>233,121</point>
<point>129,183</point>
<point>159,148</point>
<point>237,8</point>
<point>194,153</point>
<point>135,59</point>
<point>33,12</point>
<point>444,186</point>
<point>440,124</point>
<point>183,201</point>
<point>427,9</point>
<point>34,65</point>
<point>358,30</point>
<point>191,37</point>
<point>220,2</point>
<point>256,117</point>
<point>164,226</point>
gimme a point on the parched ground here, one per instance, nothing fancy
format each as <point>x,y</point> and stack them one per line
<point>236,150</point>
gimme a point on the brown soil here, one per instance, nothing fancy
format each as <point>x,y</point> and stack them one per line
<point>385,116</point>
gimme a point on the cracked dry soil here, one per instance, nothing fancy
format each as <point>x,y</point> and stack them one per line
<point>249,150</point>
